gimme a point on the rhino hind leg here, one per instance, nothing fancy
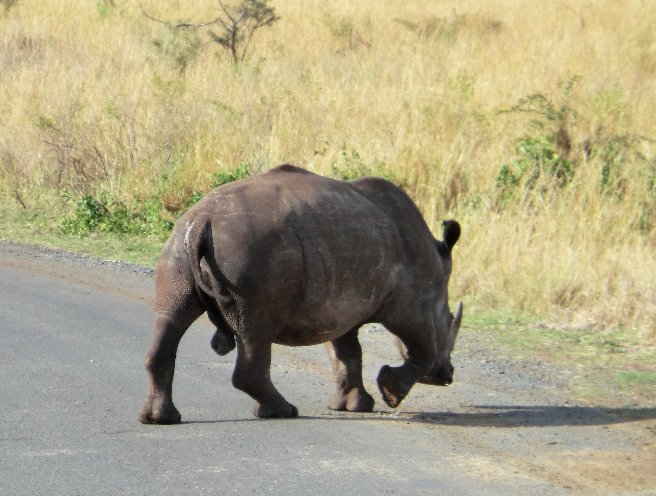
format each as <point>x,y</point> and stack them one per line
<point>176,307</point>
<point>158,407</point>
<point>252,375</point>
<point>346,357</point>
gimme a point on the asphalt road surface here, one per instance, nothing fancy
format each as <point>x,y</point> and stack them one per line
<point>74,332</point>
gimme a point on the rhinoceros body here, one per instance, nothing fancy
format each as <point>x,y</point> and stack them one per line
<point>294,258</point>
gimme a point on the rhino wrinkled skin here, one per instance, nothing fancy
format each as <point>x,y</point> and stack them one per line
<point>294,258</point>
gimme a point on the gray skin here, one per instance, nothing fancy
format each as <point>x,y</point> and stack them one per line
<point>294,258</point>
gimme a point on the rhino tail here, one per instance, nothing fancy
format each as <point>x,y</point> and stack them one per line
<point>199,245</point>
<point>195,243</point>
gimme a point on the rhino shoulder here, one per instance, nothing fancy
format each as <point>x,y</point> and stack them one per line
<point>374,184</point>
<point>389,198</point>
<point>288,169</point>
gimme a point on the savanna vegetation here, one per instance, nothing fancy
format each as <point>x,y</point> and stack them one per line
<point>532,123</point>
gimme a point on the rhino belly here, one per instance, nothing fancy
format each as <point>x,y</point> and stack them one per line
<point>308,336</point>
<point>312,334</point>
<point>319,323</point>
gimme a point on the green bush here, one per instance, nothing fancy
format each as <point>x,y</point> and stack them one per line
<point>105,214</point>
<point>220,178</point>
<point>537,157</point>
<point>351,166</point>
<point>543,156</point>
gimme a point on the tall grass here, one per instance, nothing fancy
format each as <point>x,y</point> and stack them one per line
<point>96,99</point>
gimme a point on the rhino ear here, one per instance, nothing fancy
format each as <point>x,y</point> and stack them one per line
<point>451,233</point>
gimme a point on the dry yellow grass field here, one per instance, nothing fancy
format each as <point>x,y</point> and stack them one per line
<point>95,98</point>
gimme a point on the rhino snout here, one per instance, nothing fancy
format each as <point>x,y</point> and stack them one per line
<point>445,378</point>
<point>439,377</point>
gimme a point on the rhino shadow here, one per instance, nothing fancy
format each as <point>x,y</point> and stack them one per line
<point>509,416</point>
<point>493,416</point>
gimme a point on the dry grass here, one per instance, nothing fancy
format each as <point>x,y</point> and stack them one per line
<point>94,96</point>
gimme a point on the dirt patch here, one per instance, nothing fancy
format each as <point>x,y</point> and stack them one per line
<point>613,470</point>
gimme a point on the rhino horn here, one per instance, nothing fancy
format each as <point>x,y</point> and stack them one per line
<point>457,320</point>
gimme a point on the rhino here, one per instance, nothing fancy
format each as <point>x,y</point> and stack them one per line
<point>295,258</point>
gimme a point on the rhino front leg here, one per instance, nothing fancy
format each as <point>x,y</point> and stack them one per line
<point>395,382</point>
<point>346,357</point>
<point>252,375</point>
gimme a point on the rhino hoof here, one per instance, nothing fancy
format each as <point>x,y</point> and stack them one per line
<point>390,387</point>
<point>356,400</point>
<point>277,411</point>
<point>164,414</point>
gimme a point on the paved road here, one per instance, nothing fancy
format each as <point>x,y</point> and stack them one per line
<point>73,335</point>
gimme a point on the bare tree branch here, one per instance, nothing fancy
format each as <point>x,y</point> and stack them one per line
<point>226,12</point>
<point>181,24</point>
<point>249,17</point>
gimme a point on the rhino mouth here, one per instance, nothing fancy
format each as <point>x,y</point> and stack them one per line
<point>442,376</point>
<point>436,381</point>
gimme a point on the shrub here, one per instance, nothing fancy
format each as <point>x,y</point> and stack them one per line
<point>105,214</point>
<point>236,25</point>
<point>545,153</point>
<point>537,156</point>
<point>241,172</point>
<point>351,165</point>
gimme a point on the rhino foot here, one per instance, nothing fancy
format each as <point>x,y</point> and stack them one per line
<point>392,385</point>
<point>286,410</point>
<point>162,412</point>
<point>356,400</point>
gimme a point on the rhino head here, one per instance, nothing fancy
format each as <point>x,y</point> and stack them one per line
<point>442,372</point>
<point>447,325</point>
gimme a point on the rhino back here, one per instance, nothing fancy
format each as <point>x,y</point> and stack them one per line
<point>416,238</point>
<point>311,250</point>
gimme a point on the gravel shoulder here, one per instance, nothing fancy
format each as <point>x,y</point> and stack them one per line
<point>503,426</point>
